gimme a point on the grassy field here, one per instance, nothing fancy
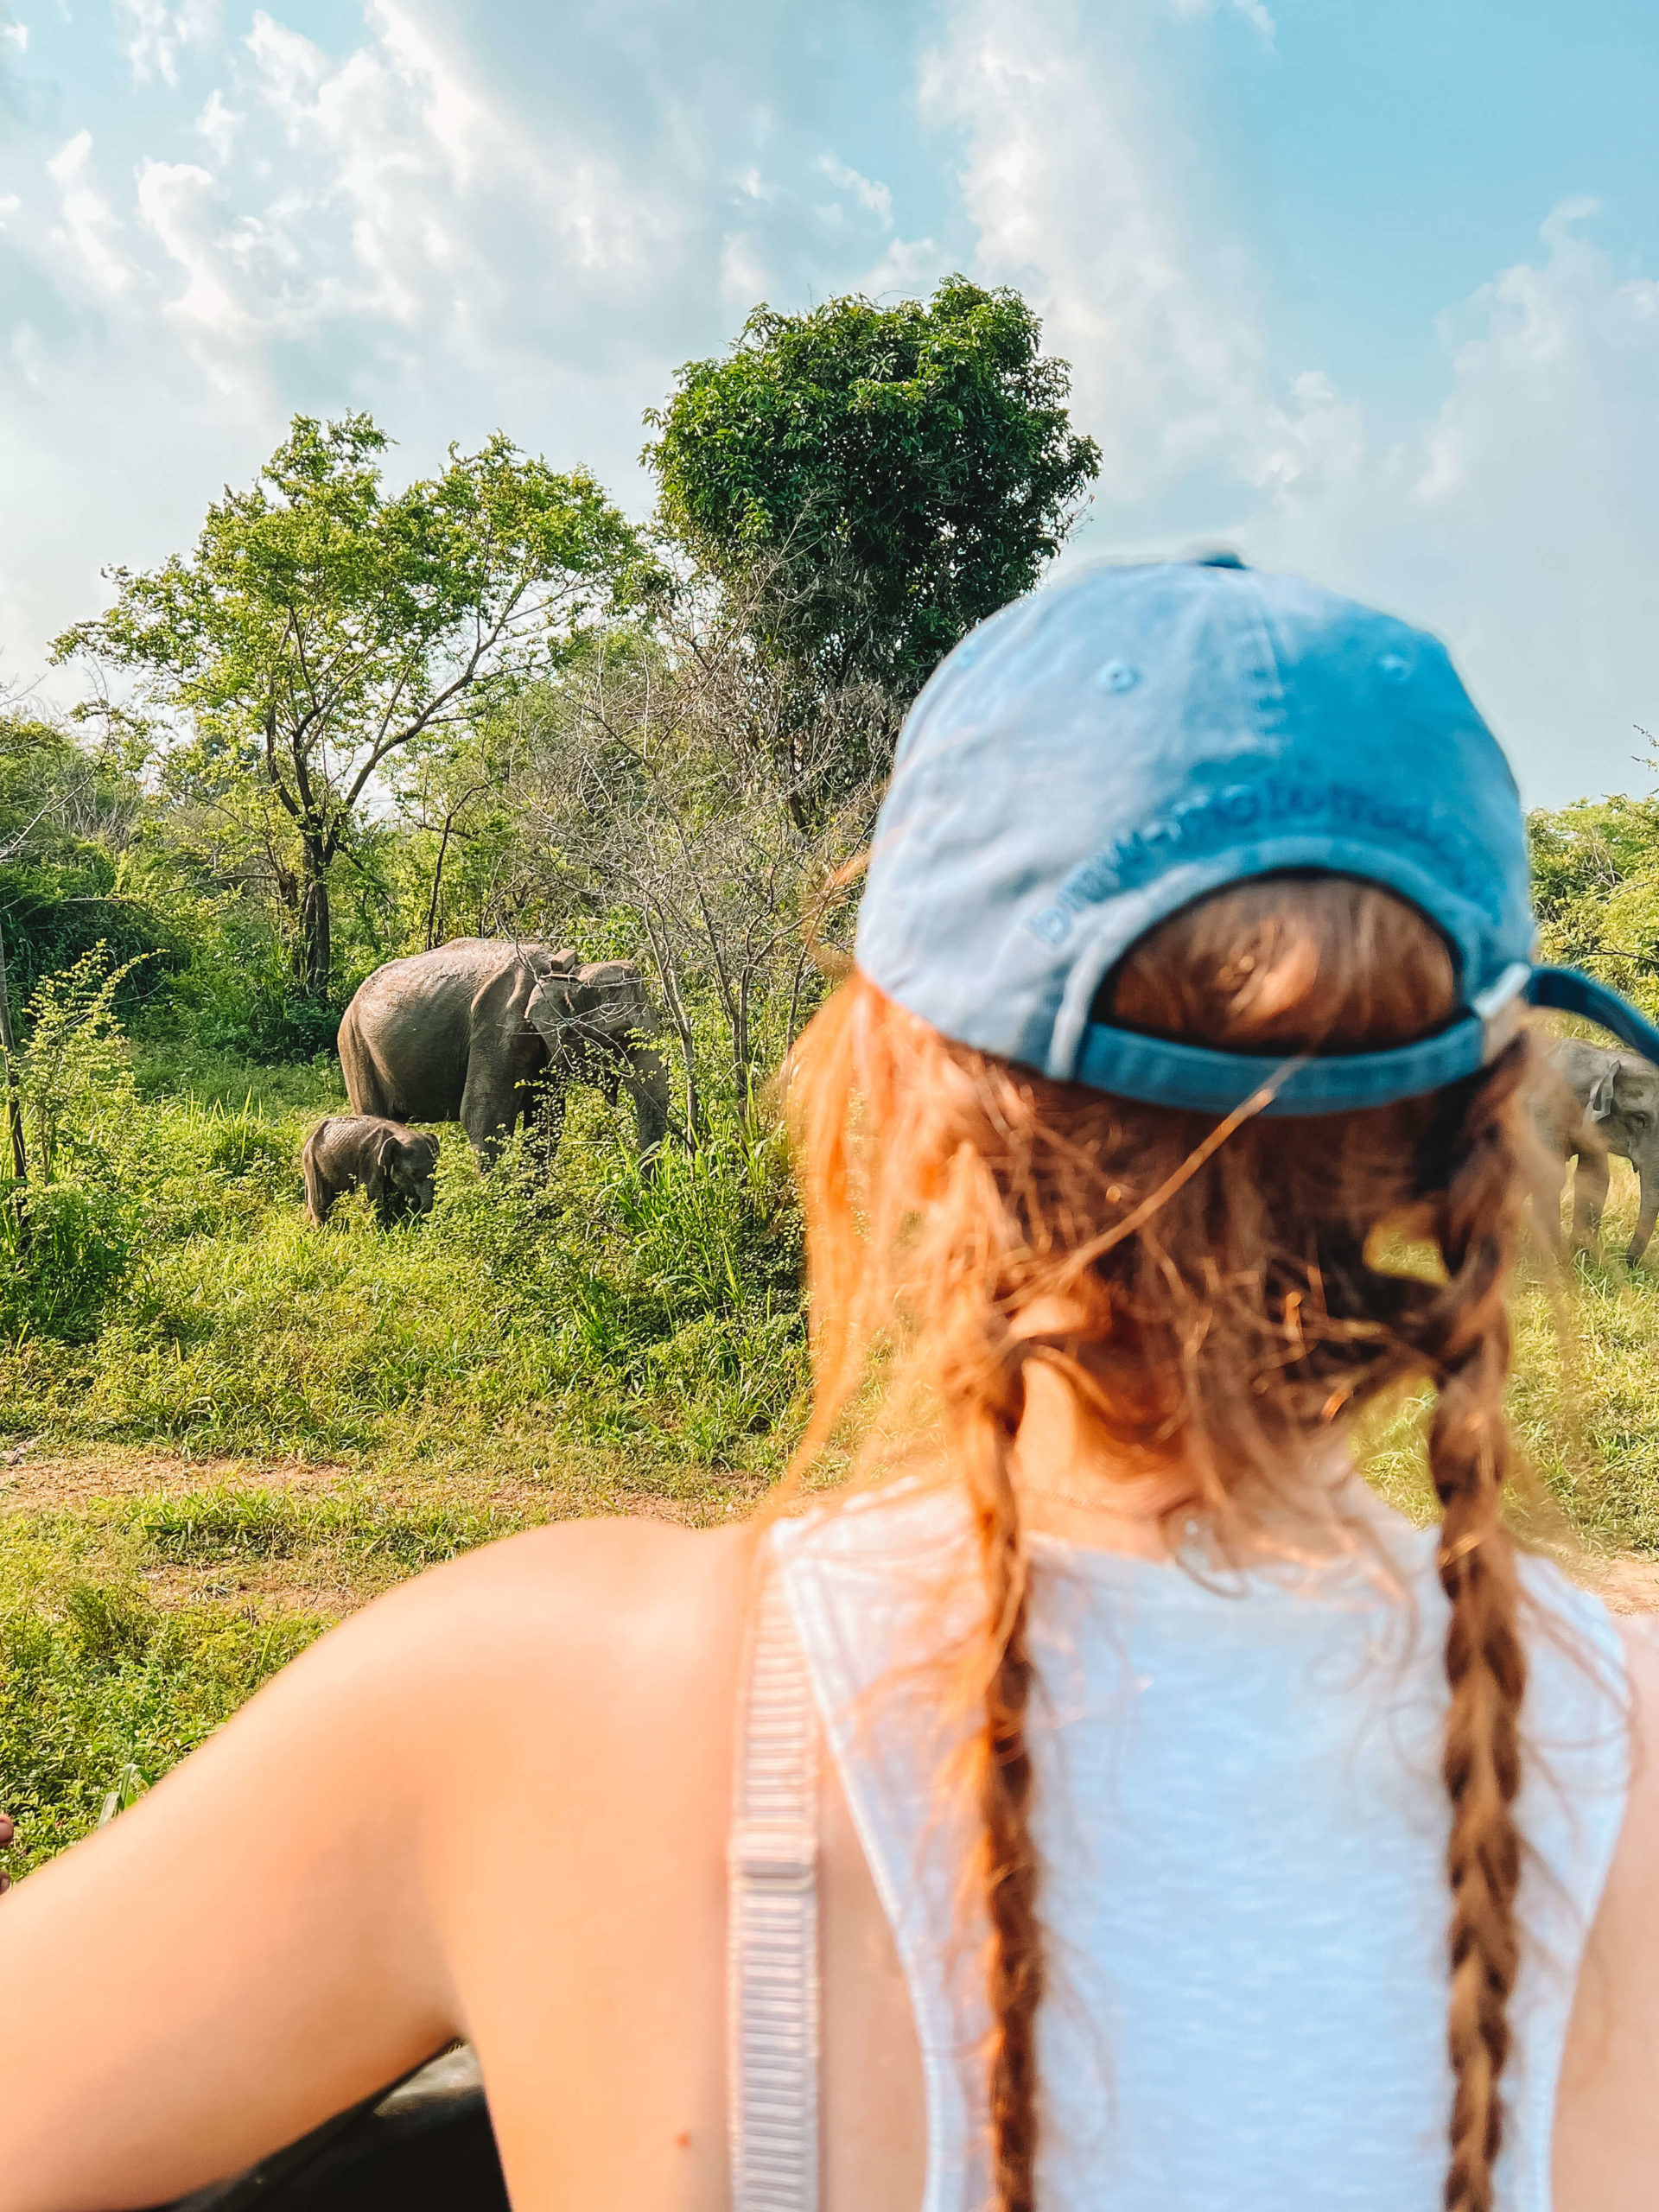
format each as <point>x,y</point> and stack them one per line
<point>262,1426</point>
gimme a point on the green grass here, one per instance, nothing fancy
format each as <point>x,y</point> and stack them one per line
<point>291,1420</point>
<point>584,1342</point>
<point>102,1687</point>
<point>1584,1400</point>
<point>663,1314</point>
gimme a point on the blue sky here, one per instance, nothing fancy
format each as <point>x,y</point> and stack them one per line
<point>1373,293</point>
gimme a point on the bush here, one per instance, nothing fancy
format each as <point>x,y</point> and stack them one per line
<point>55,917</point>
<point>285,1023</point>
<point>64,1253</point>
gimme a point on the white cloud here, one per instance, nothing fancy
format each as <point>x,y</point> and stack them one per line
<point>152,36</point>
<point>400,223</point>
<point>15,35</point>
<point>87,218</point>
<point>875,199</point>
<point>1254,14</point>
<point>1519,518</point>
<point>1075,189</point>
<point>372,226</point>
<point>218,124</point>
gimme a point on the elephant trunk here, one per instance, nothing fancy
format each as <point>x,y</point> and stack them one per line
<point>1650,1213</point>
<point>647,1082</point>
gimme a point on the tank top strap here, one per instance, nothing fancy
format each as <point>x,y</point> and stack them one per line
<point>772,1972</point>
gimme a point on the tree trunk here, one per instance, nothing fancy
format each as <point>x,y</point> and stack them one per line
<point>314,950</point>
<point>437,885</point>
<point>14,1102</point>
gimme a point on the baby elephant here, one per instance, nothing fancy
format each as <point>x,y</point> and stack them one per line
<point>395,1166</point>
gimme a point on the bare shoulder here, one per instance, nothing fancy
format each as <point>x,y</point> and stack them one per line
<point>1639,1635</point>
<point>595,1608</point>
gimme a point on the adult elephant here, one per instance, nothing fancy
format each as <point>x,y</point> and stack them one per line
<point>1608,1102</point>
<point>485,1031</point>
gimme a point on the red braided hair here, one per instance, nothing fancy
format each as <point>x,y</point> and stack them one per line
<point>966,1218</point>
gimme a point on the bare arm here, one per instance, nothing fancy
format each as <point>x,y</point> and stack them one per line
<point>272,1933</point>
<point>1606,2143</point>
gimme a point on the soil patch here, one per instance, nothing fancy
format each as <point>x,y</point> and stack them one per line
<point>1628,1583</point>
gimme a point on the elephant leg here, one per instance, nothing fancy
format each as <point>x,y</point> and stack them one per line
<point>1589,1196</point>
<point>1548,1184</point>
<point>319,1196</point>
<point>489,1107</point>
<point>1650,1213</point>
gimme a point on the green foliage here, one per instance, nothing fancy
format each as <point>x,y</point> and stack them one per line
<point>63,1256</point>
<point>67,1237</point>
<point>885,476</point>
<point>1596,888</point>
<point>596,1303</point>
<point>74,1073</point>
<point>322,626</point>
<point>69,818</point>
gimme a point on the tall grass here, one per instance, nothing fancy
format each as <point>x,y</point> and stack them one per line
<point>188,1299</point>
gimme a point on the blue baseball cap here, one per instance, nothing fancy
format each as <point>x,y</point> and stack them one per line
<point>1097,757</point>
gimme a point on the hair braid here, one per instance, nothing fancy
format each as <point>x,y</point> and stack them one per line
<point>1467,1334</point>
<point>1005,1872</point>
<point>965,1216</point>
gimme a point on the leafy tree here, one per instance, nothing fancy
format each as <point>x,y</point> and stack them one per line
<point>885,476</point>
<point>322,626</point>
<point>71,813</point>
<point>1595,871</point>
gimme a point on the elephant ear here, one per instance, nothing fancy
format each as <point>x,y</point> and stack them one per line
<point>553,1007</point>
<point>616,1002</point>
<point>1601,1098</point>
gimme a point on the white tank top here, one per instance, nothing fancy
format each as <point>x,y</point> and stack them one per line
<point>1242,1835</point>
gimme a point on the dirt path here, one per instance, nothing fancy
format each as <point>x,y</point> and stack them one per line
<point>349,1549</point>
<point>43,1478</point>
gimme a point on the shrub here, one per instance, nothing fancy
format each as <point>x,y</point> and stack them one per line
<point>284,1022</point>
<point>64,1253</point>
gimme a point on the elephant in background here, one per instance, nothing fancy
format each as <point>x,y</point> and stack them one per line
<point>1607,1101</point>
<point>396,1166</point>
<point>487,1033</point>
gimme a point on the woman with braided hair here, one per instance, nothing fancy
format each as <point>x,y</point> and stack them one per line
<point>1106,1802</point>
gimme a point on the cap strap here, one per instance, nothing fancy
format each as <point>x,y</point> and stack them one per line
<point>1157,1072</point>
<point>1570,991</point>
